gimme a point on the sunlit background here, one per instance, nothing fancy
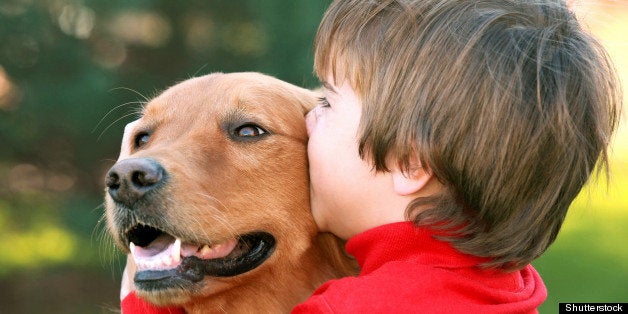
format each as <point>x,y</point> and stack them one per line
<point>589,261</point>
<point>72,74</point>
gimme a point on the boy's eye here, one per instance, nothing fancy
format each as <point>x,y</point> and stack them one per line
<point>141,139</point>
<point>322,101</point>
<point>249,130</point>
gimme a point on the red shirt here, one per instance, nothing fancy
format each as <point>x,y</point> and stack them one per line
<point>132,304</point>
<point>406,270</point>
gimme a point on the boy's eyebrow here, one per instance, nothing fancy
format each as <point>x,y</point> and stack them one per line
<point>328,87</point>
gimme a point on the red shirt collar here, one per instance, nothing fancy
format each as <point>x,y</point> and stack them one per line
<point>403,241</point>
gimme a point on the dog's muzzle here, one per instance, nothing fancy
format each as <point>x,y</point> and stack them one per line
<point>164,260</point>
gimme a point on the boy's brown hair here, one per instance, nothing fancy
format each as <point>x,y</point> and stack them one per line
<point>509,103</point>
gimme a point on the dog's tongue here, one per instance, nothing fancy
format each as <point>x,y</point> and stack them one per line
<point>166,252</point>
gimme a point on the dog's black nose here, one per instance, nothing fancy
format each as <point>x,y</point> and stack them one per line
<point>130,179</point>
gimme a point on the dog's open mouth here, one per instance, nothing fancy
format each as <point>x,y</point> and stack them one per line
<point>164,261</point>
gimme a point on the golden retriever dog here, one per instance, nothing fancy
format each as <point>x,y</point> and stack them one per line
<point>210,196</point>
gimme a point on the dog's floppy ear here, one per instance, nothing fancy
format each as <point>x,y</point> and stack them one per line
<point>127,140</point>
<point>308,103</point>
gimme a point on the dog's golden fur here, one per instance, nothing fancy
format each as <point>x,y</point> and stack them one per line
<point>221,186</point>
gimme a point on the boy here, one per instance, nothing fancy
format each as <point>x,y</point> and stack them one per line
<point>451,140</point>
<point>478,121</point>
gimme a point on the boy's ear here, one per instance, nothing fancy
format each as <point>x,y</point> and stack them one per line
<point>407,183</point>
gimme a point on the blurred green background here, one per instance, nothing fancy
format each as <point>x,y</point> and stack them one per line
<point>73,73</point>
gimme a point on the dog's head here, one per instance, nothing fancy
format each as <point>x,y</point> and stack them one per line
<point>211,186</point>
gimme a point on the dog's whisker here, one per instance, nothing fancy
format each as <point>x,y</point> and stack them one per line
<point>199,70</point>
<point>114,109</point>
<point>131,90</point>
<point>213,219</point>
<point>219,215</point>
<point>114,122</point>
<point>100,233</point>
<point>225,222</point>
<point>107,248</point>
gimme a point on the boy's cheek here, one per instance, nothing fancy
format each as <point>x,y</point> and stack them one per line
<point>310,121</point>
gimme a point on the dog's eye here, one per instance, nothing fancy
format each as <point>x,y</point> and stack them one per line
<point>141,139</point>
<point>248,130</point>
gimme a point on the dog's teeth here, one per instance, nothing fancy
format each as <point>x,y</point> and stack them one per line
<point>158,261</point>
<point>176,251</point>
<point>166,260</point>
<point>132,249</point>
<point>205,250</point>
